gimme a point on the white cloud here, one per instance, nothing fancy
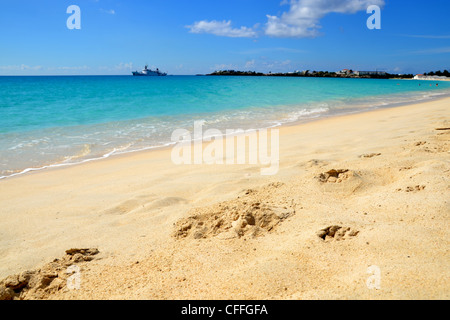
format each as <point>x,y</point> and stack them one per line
<point>124,66</point>
<point>224,67</point>
<point>433,51</point>
<point>22,67</point>
<point>303,18</point>
<point>428,36</point>
<point>221,28</point>
<point>249,64</point>
<point>277,49</point>
<point>72,68</point>
<point>277,65</point>
<point>110,11</point>
<point>25,67</point>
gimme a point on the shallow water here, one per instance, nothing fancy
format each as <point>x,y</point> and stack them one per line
<point>48,121</point>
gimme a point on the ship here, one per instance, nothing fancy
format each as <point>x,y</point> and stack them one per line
<point>146,72</point>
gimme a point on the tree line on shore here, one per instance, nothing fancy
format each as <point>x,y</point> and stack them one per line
<point>308,73</point>
<point>439,73</point>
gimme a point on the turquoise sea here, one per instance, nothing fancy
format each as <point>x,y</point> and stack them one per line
<point>54,121</point>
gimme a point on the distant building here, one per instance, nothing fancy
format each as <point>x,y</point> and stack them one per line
<point>344,72</point>
<point>370,73</point>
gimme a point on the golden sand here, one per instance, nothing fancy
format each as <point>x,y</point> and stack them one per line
<point>353,194</point>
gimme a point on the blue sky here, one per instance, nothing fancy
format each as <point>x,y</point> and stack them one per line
<point>200,36</point>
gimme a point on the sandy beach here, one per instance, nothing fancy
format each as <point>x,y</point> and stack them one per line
<point>353,194</point>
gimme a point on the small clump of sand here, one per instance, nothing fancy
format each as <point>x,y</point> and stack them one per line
<point>337,233</point>
<point>41,283</point>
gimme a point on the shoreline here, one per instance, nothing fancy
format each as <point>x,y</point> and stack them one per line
<point>276,126</point>
<point>393,199</point>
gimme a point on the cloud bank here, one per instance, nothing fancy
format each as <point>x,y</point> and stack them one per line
<point>302,20</point>
<point>221,28</point>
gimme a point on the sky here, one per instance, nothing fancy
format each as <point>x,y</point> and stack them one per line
<point>185,37</point>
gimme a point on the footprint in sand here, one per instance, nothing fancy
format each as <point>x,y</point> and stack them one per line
<point>342,182</point>
<point>443,125</point>
<point>313,163</point>
<point>370,155</point>
<point>337,233</point>
<point>149,203</point>
<point>251,213</point>
<point>166,202</point>
<point>428,147</point>
<point>232,221</point>
<point>413,189</point>
<point>335,176</point>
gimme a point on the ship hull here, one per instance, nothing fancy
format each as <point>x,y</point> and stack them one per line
<point>149,74</point>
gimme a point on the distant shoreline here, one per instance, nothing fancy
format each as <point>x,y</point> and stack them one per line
<point>313,74</point>
<point>344,74</point>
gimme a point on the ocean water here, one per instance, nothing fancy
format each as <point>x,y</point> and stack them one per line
<point>56,121</point>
